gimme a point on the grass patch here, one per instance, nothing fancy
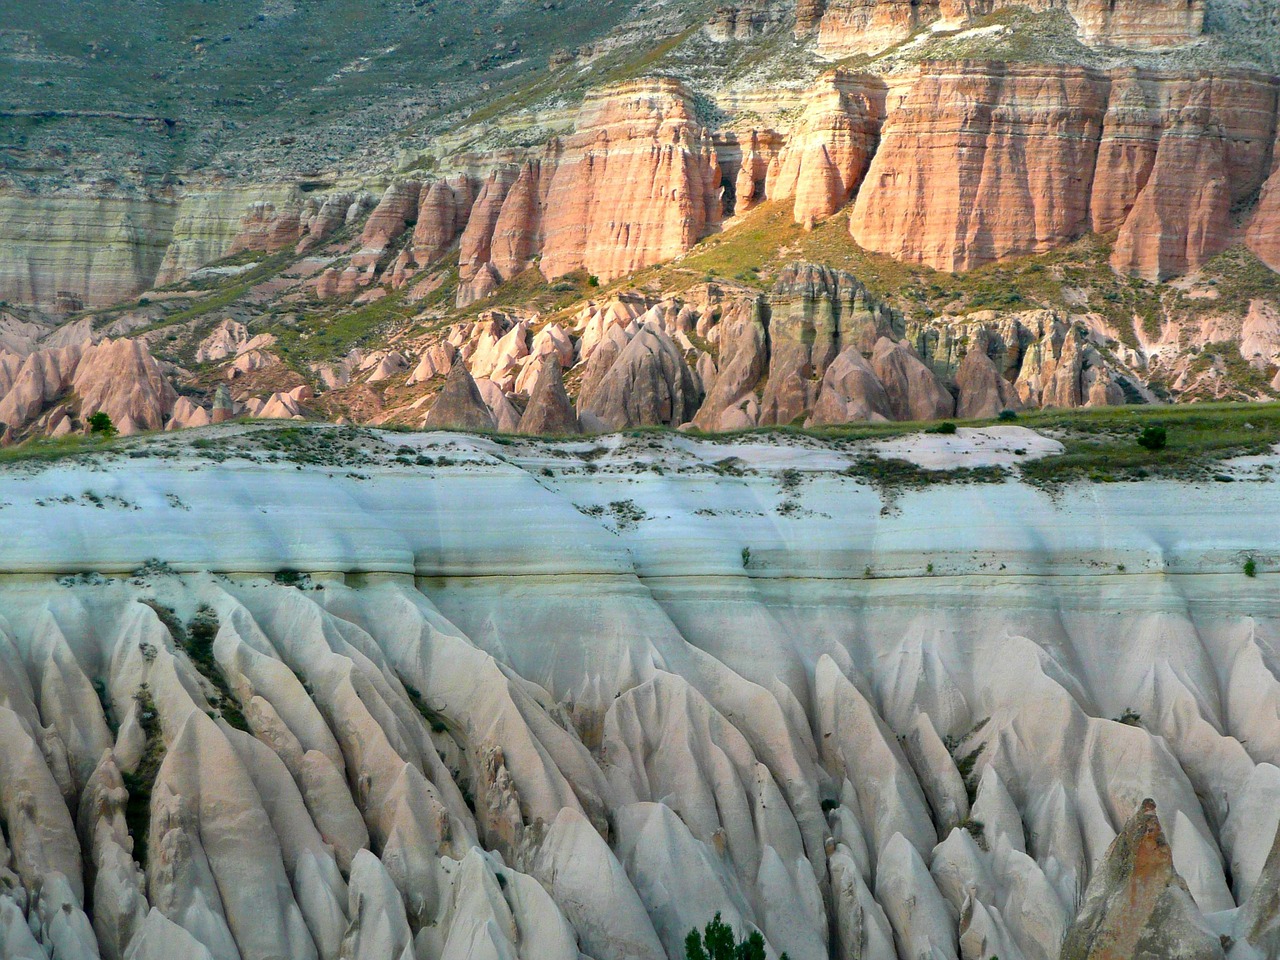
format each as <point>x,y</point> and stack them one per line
<point>137,813</point>
<point>1102,445</point>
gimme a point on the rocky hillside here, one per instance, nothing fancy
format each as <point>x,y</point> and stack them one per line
<point>810,213</point>
<point>333,693</point>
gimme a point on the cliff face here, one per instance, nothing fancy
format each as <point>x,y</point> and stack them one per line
<point>827,153</point>
<point>636,183</point>
<point>845,28</point>
<point>985,161</point>
<point>1177,154</point>
<point>656,690</point>
<point>67,252</point>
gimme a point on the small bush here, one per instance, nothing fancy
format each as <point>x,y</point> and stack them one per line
<point>746,557</point>
<point>718,942</point>
<point>593,281</point>
<point>1130,718</point>
<point>100,425</point>
<point>1007,416</point>
<point>1250,567</point>
<point>946,427</point>
<point>1153,438</point>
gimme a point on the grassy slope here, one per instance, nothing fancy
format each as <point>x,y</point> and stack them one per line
<point>1100,444</point>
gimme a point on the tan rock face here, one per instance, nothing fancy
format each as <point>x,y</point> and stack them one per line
<point>638,183</point>
<point>983,161</point>
<point>826,156</point>
<point>119,378</point>
<point>849,27</point>
<point>1137,905</point>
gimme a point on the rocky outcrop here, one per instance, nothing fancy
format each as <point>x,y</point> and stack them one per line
<point>743,359</point>
<point>117,377</point>
<point>642,380</point>
<point>981,162</point>
<point>850,391</point>
<point>1137,905</point>
<point>913,391</point>
<point>459,405</point>
<point>1046,153</point>
<point>550,411</point>
<point>828,151</point>
<point>1183,152</point>
<point>443,212</point>
<point>982,390</point>
<point>88,250</point>
<point>213,222</point>
<point>849,27</point>
<point>816,313</point>
<point>636,183</point>
<point>1062,368</point>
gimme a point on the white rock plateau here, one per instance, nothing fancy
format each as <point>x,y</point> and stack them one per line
<point>428,697</point>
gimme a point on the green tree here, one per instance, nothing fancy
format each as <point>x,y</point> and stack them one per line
<point>100,423</point>
<point>717,942</point>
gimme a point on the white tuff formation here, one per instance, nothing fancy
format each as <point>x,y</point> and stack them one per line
<point>438,698</point>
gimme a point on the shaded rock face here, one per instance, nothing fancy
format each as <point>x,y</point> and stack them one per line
<point>827,154</point>
<point>550,411</point>
<point>913,391</point>
<point>1063,369</point>
<point>850,391</point>
<point>459,405</point>
<point>1136,904</point>
<point>816,313</point>
<point>100,250</point>
<point>982,391</point>
<point>640,381</point>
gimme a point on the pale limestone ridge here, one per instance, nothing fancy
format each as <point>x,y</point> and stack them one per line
<point>615,702</point>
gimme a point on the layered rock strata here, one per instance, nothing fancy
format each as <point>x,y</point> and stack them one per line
<point>437,737</point>
<point>846,28</point>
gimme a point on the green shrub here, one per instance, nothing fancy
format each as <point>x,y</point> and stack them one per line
<point>718,942</point>
<point>100,424</point>
<point>1007,416</point>
<point>1153,437</point>
<point>1250,567</point>
<point>946,426</point>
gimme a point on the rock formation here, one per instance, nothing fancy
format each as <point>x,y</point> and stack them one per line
<point>1137,905</point>
<point>816,314</point>
<point>459,405</point>
<point>437,736</point>
<point>827,154</point>
<point>957,183</point>
<point>848,27</point>
<point>550,411</point>
<point>644,381</point>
